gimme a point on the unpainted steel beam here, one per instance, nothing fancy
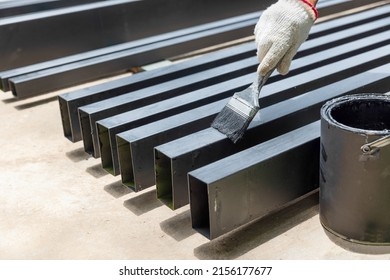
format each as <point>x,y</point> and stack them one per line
<point>176,158</point>
<point>232,192</point>
<point>135,147</point>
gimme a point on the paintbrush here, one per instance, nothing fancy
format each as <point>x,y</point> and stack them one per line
<point>235,117</point>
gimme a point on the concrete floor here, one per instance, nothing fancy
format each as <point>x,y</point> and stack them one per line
<point>57,203</point>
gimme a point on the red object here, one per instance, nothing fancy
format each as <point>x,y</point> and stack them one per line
<point>312,7</point>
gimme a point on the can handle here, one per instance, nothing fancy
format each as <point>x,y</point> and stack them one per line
<point>376,144</point>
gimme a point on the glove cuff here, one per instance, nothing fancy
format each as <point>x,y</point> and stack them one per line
<point>312,8</point>
<point>305,5</point>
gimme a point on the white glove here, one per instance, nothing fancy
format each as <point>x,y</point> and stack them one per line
<point>281,29</point>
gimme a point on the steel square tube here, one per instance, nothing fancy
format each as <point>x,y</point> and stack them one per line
<point>95,93</point>
<point>56,33</point>
<point>14,8</point>
<point>238,189</point>
<point>73,73</point>
<point>5,75</point>
<point>175,159</point>
<point>133,45</point>
<point>109,127</point>
<point>91,113</point>
<point>135,147</point>
<point>267,98</point>
<point>86,70</point>
<point>70,102</point>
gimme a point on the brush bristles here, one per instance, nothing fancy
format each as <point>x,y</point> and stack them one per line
<point>232,124</point>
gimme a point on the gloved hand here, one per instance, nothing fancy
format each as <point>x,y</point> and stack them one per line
<point>281,29</point>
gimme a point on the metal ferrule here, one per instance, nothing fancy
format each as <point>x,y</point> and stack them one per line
<point>242,107</point>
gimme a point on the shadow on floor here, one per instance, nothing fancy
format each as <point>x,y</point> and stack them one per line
<point>143,203</point>
<point>78,155</point>
<point>117,189</point>
<point>357,247</point>
<point>238,242</point>
<point>36,103</point>
<point>178,227</point>
<point>97,171</point>
<point>10,100</point>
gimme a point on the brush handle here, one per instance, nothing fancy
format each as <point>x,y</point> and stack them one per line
<point>261,80</point>
<point>256,88</point>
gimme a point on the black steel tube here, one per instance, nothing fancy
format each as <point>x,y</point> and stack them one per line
<point>5,75</point>
<point>113,63</point>
<point>232,192</point>
<point>74,73</point>
<point>66,31</point>
<point>70,102</point>
<point>137,171</point>
<point>121,61</point>
<point>89,114</point>
<point>14,8</point>
<point>76,99</point>
<point>109,127</point>
<point>62,63</point>
<point>135,146</point>
<point>347,65</point>
<point>176,158</point>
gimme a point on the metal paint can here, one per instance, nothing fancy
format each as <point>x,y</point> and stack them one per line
<point>355,168</point>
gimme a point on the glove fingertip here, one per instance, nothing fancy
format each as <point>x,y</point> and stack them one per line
<point>283,68</point>
<point>262,69</point>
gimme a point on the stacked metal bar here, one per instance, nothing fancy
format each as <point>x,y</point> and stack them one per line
<point>153,127</point>
<point>112,37</point>
<point>96,64</point>
<point>52,33</point>
<point>111,126</point>
<point>132,142</point>
<point>14,8</point>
